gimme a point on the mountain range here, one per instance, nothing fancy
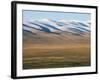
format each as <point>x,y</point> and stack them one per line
<point>45,31</point>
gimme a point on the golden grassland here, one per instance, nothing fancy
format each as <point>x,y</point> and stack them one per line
<point>56,56</point>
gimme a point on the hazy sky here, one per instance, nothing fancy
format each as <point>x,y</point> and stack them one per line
<point>31,15</point>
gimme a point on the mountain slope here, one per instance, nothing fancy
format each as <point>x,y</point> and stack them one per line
<point>48,31</point>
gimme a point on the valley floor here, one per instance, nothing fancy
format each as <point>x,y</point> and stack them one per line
<point>56,56</point>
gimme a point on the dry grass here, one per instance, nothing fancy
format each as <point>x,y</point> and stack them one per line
<point>55,56</point>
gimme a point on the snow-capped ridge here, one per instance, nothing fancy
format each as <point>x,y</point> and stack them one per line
<point>59,26</point>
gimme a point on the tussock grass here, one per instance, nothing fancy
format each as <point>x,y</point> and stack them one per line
<point>56,56</point>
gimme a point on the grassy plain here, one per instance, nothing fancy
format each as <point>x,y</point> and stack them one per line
<point>55,56</point>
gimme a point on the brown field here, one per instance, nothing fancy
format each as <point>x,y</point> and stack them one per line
<point>55,56</point>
